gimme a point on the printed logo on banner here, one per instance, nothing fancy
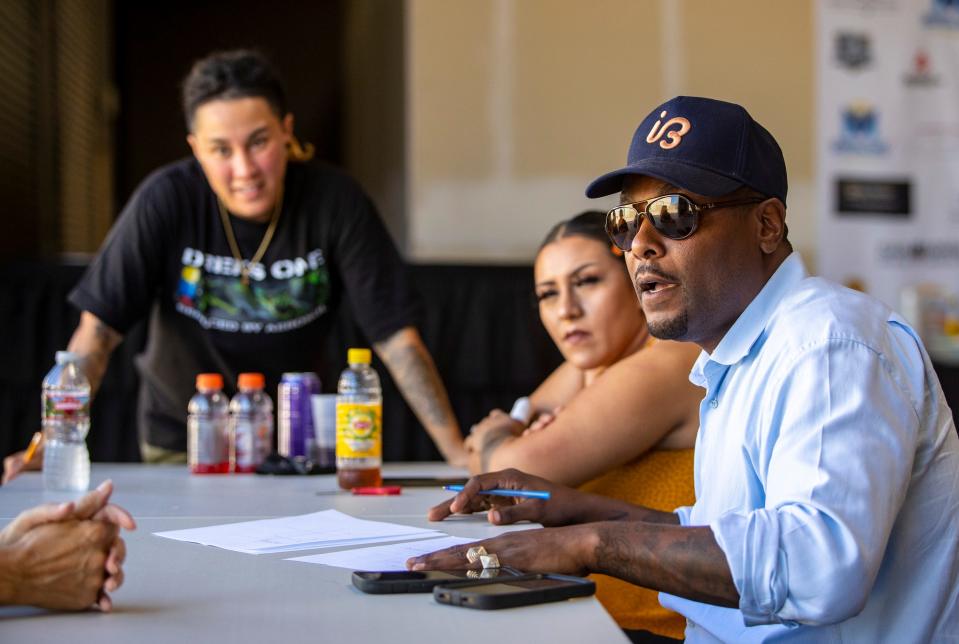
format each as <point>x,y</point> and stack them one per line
<point>853,50</point>
<point>921,74</point>
<point>859,131</point>
<point>942,13</point>
<point>864,5</point>
<point>913,252</point>
<point>885,197</point>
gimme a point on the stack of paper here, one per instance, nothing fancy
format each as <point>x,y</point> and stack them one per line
<point>391,557</point>
<point>327,529</point>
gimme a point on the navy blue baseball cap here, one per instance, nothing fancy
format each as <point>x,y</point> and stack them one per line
<point>702,145</point>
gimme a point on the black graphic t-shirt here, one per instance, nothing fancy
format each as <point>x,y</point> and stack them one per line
<point>168,257</point>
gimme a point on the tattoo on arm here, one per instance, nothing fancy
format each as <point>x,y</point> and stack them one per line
<point>683,561</point>
<point>94,341</point>
<point>107,336</point>
<point>415,374</point>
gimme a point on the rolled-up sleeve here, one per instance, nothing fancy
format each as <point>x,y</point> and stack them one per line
<point>836,465</point>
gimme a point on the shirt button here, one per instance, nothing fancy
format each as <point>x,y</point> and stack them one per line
<point>714,403</point>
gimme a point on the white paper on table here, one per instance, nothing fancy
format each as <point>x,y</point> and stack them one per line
<point>390,557</point>
<point>326,529</point>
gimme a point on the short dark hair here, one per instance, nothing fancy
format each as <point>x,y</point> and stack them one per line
<point>239,73</point>
<point>590,224</point>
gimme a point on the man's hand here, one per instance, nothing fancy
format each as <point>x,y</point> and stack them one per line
<point>564,505</point>
<point>561,550</point>
<point>683,561</point>
<point>93,507</point>
<point>60,565</point>
<point>13,464</point>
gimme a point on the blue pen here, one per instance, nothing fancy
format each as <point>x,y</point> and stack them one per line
<point>525,494</point>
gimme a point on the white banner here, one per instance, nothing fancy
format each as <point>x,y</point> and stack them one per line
<point>888,152</point>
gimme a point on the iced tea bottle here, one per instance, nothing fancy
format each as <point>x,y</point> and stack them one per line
<point>359,423</point>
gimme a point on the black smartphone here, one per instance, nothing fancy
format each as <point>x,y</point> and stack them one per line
<point>524,590</point>
<point>407,581</point>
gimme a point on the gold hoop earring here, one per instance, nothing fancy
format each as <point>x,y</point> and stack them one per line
<point>297,152</point>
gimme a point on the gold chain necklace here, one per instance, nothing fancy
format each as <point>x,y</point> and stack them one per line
<point>264,244</point>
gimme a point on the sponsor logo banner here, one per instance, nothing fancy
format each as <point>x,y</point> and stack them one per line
<point>872,197</point>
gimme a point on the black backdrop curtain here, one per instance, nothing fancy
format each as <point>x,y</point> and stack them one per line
<point>479,323</point>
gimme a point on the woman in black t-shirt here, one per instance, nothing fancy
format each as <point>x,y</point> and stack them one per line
<point>238,256</point>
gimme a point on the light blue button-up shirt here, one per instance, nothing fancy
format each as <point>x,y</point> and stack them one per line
<point>827,467</point>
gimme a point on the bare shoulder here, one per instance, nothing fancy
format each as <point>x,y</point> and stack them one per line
<point>683,352</point>
<point>663,357</point>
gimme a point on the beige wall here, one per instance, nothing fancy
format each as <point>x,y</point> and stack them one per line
<point>514,105</point>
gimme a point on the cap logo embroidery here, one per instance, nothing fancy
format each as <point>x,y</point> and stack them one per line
<point>674,137</point>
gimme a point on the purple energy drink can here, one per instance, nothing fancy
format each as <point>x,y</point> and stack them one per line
<point>295,413</point>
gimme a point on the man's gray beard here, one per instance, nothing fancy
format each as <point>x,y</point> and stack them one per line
<point>672,329</point>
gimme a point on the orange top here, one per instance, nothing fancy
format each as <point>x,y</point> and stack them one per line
<point>209,381</point>
<point>251,381</point>
<point>661,480</point>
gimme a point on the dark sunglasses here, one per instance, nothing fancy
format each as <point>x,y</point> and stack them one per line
<point>674,216</point>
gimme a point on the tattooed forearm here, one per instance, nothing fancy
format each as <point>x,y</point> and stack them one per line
<point>682,561</point>
<point>94,341</point>
<point>415,375</point>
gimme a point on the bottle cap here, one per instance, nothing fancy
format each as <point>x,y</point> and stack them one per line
<point>251,381</point>
<point>63,357</point>
<point>359,356</point>
<point>209,381</point>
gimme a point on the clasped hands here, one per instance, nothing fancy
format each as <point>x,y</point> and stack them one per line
<point>66,556</point>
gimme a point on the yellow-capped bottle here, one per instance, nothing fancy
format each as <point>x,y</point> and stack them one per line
<point>359,423</point>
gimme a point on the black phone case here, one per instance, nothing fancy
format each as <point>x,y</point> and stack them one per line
<point>393,586</point>
<point>461,594</point>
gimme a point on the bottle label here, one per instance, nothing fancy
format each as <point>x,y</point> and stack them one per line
<point>359,430</point>
<point>65,406</point>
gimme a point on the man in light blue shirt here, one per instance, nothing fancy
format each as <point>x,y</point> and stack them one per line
<point>827,461</point>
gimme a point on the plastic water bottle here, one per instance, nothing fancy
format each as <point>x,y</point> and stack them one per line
<point>251,424</point>
<point>66,420</point>
<point>359,423</point>
<point>208,442</point>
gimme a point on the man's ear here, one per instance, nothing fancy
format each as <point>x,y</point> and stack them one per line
<point>191,140</point>
<point>771,219</point>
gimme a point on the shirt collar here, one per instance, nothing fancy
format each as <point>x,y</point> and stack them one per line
<point>742,335</point>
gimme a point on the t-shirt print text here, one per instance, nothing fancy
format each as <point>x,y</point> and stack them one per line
<point>282,296</point>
